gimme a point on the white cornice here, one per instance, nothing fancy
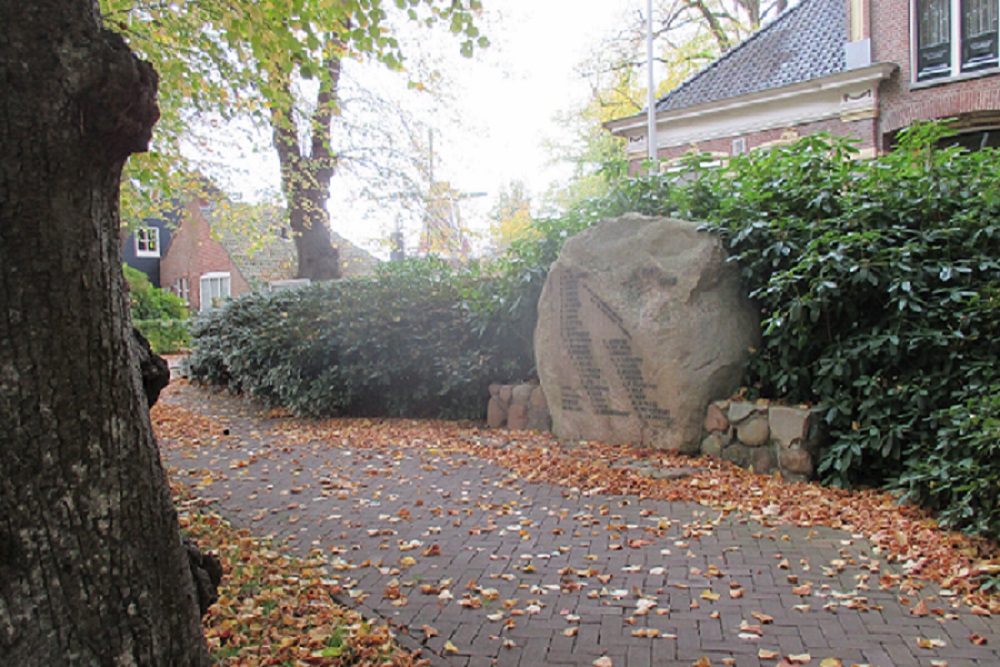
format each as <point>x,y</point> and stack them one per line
<point>816,99</point>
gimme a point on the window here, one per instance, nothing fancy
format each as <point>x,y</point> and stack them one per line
<point>182,288</point>
<point>214,288</point>
<point>979,34</point>
<point>947,47</point>
<point>147,242</point>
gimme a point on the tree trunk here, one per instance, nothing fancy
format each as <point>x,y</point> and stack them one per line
<point>92,567</point>
<point>306,176</point>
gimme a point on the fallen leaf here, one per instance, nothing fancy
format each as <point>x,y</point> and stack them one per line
<point>931,643</point>
<point>767,654</point>
<point>603,661</point>
<point>450,648</point>
<point>977,640</point>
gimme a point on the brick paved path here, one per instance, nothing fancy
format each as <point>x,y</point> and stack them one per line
<point>535,574</point>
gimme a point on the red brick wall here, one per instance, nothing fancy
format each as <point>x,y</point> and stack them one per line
<point>193,252</point>
<point>901,104</point>
<point>861,129</point>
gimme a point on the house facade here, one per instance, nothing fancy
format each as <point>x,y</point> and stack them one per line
<point>856,68</point>
<point>142,247</point>
<point>203,260</point>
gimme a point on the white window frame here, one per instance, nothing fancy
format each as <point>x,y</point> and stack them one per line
<point>207,298</point>
<point>147,242</point>
<point>182,288</point>
<point>956,65</point>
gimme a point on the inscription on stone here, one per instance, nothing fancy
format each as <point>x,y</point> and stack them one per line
<point>584,316</point>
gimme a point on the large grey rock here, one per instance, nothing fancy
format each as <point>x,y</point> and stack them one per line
<point>641,324</point>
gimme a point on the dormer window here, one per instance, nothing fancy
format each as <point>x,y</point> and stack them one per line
<point>147,242</point>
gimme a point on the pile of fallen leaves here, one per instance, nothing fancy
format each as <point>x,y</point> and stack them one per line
<point>277,610</point>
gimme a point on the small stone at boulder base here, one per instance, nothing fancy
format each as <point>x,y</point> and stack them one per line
<point>641,323</point>
<point>754,431</point>
<point>789,425</point>
<point>763,461</point>
<point>496,415</point>
<point>522,393</point>
<point>740,410</point>
<point>796,461</point>
<point>517,417</point>
<point>716,419</point>
<point>714,443</point>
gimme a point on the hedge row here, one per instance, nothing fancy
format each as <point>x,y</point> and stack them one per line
<point>402,343</point>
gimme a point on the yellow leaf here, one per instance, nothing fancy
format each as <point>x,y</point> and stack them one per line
<point>766,654</point>
<point>450,648</point>
<point>831,662</point>
<point>709,595</point>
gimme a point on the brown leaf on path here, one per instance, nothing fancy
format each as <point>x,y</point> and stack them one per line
<point>978,640</point>
<point>767,654</point>
<point>920,609</point>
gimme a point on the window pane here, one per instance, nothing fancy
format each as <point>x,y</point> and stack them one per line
<point>979,34</point>
<point>933,38</point>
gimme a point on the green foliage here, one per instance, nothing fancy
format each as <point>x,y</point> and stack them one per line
<point>400,343</point>
<point>158,314</point>
<point>878,282</point>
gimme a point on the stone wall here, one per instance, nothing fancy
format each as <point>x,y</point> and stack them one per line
<point>764,437</point>
<point>518,407</point>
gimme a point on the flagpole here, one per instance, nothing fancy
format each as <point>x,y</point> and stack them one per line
<point>651,103</point>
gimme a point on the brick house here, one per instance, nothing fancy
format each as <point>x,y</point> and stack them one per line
<point>203,261</point>
<point>857,68</point>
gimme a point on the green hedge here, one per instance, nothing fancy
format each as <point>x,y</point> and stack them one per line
<point>879,284</point>
<point>160,315</point>
<point>402,343</point>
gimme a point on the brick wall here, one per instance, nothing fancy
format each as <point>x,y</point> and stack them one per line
<point>862,129</point>
<point>901,103</point>
<point>193,252</point>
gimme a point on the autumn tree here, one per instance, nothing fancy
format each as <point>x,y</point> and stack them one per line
<point>510,217</point>
<point>278,63</point>
<point>92,567</point>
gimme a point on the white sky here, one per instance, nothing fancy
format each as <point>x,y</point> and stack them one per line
<point>507,97</point>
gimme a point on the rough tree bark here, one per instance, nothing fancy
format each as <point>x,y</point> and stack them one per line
<point>306,174</point>
<point>92,567</point>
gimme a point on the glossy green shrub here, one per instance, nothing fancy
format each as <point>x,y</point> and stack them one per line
<point>878,284</point>
<point>398,344</point>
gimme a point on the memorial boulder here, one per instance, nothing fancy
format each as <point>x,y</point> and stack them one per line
<point>641,324</point>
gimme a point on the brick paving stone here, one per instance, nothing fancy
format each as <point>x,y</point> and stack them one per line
<point>364,507</point>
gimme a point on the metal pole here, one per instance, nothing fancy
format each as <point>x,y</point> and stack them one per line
<point>651,102</point>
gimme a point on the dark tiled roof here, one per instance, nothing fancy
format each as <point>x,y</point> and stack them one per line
<point>803,43</point>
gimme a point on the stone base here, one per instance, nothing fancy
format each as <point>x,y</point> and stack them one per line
<point>518,407</point>
<point>764,438</point>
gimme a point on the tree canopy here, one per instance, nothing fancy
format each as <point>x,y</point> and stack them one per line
<point>276,64</point>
